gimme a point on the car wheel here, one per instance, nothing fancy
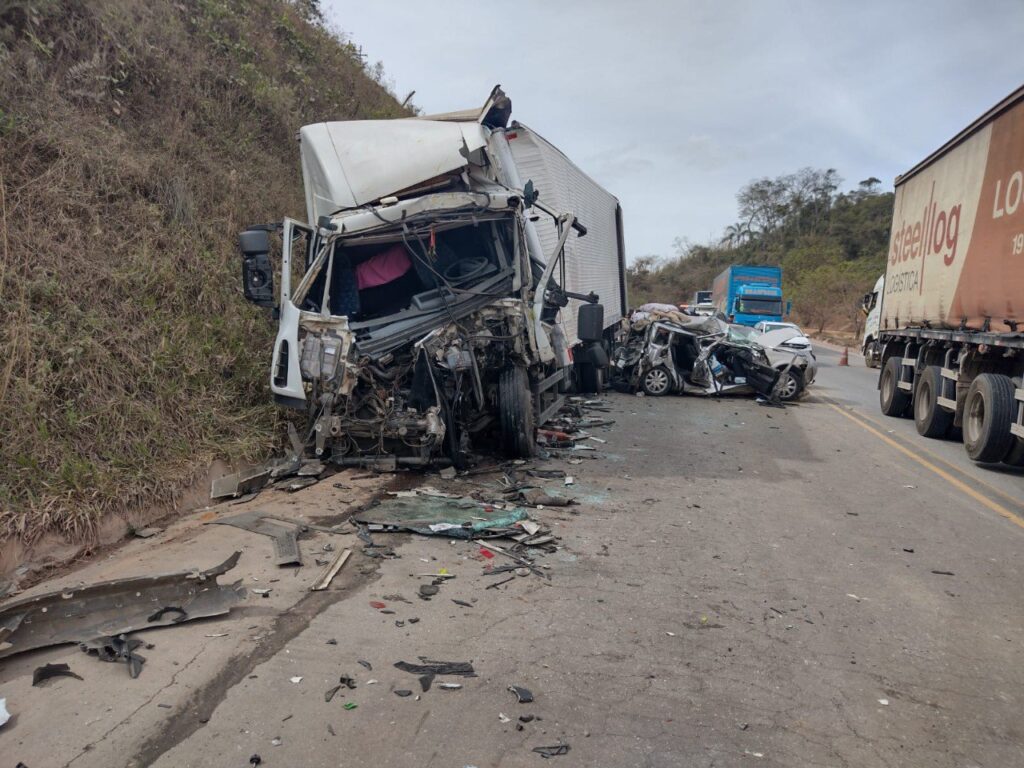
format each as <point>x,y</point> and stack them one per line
<point>790,384</point>
<point>656,382</point>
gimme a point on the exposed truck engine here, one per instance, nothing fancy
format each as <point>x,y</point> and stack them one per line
<point>422,318</point>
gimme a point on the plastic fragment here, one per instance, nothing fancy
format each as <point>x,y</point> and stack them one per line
<point>350,705</point>
<point>296,679</point>
<point>377,604</point>
<point>523,695</point>
<point>48,671</point>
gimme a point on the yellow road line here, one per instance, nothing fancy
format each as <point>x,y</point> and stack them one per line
<point>961,486</point>
<point>936,458</point>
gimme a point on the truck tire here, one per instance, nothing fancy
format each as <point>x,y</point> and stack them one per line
<point>590,378</point>
<point>1015,458</point>
<point>893,400</point>
<point>656,382</point>
<point>515,406</point>
<point>871,352</point>
<point>988,413</point>
<point>930,418</point>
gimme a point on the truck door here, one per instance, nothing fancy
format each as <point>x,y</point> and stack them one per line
<point>298,251</point>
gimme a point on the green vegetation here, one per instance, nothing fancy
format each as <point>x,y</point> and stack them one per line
<point>831,246</point>
<point>138,138</point>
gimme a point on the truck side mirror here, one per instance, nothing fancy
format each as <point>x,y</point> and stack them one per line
<point>257,272</point>
<point>590,322</point>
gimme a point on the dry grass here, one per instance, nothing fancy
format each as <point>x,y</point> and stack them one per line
<point>136,139</point>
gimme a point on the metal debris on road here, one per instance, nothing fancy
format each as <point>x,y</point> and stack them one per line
<point>366,664</point>
<point>145,533</point>
<point>116,649</point>
<point>4,714</point>
<point>555,751</point>
<point>429,514</point>
<point>49,671</point>
<point>403,693</point>
<point>79,614</point>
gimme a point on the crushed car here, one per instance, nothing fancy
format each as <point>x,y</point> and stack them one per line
<point>436,305</point>
<point>664,352</point>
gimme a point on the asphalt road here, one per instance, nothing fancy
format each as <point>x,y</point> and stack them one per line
<point>738,586</point>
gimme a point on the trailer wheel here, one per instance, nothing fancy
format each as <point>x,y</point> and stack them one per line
<point>988,413</point>
<point>894,401</point>
<point>591,378</point>
<point>656,382</point>
<point>515,404</point>
<point>1015,458</point>
<point>931,419</point>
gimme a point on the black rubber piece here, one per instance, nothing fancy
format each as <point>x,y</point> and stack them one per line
<point>930,418</point>
<point>893,400</point>
<point>993,394</point>
<point>518,422</point>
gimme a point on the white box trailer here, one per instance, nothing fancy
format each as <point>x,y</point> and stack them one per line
<point>595,263</point>
<point>952,350</point>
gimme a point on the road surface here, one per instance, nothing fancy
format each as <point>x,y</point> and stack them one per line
<point>738,586</point>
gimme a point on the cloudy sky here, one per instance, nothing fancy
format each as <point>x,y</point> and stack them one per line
<point>673,106</point>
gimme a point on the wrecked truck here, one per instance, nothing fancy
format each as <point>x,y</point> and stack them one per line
<point>423,316</point>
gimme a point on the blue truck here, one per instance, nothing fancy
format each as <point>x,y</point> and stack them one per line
<point>749,294</point>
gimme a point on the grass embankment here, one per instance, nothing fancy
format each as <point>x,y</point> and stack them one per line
<point>136,139</point>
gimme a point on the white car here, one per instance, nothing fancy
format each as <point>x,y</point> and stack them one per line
<point>772,325</point>
<point>782,343</point>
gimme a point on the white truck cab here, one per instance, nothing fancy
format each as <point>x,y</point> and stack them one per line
<point>871,305</point>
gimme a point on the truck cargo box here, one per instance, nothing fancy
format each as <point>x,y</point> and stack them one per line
<point>595,262</point>
<point>956,252</point>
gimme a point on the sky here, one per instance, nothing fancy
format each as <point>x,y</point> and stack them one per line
<point>673,106</point>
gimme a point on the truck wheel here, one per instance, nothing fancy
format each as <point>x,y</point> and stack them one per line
<point>988,413</point>
<point>1015,458</point>
<point>871,354</point>
<point>656,382</point>
<point>591,378</point>
<point>894,401</point>
<point>515,404</point>
<point>930,418</point>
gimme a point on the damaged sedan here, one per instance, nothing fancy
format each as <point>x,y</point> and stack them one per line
<point>666,352</point>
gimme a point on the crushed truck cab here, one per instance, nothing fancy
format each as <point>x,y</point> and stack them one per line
<point>419,317</point>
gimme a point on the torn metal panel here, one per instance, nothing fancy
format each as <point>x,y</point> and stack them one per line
<point>240,483</point>
<point>285,535</point>
<point>79,614</point>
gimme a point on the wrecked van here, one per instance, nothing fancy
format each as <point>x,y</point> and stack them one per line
<point>422,317</point>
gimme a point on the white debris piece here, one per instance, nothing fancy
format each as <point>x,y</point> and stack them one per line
<point>296,679</point>
<point>4,714</point>
<point>884,702</point>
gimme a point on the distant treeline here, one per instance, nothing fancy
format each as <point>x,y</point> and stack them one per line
<point>831,246</point>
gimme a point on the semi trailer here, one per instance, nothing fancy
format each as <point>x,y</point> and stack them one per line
<point>952,305</point>
<point>428,306</point>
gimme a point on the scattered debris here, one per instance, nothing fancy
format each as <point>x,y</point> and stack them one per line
<point>262,592</point>
<point>240,483</point>
<point>366,664</point>
<point>297,679</point>
<point>114,608</point>
<point>283,534</point>
<point>429,514</point>
<point>450,686</point>
<point>255,760</point>
<point>48,671</point>
<point>328,576</point>
<point>944,573</point>
<point>555,751</point>
<point>463,603</point>
<point>523,695</point>
<point>146,533</point>
<point>377,604</point>
<point>116,649</point>
<point>428,590</point>
<point>4,714</point>
<point>504,718</point>
<point>884,702</point>
<point>403,693</point>
<point>350,705</point>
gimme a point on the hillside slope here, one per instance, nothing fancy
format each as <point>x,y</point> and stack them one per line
<point>136,139</point>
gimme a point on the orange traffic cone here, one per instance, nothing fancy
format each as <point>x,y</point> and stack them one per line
<point>844,359</point>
